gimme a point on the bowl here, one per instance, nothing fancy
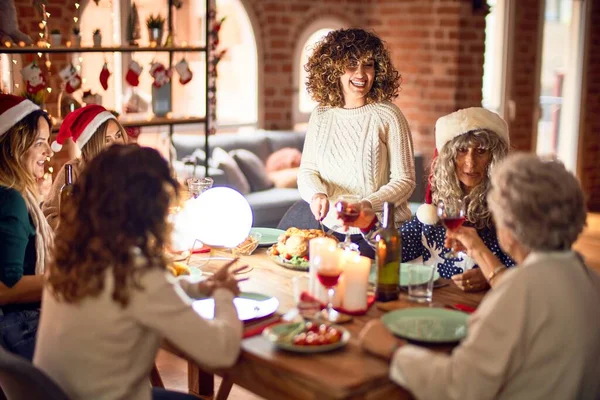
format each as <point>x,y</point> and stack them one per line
<point>248,246</point>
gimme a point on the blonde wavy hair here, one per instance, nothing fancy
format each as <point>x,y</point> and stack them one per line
<point>445,184</point>
<point>13,145</point>
<point>539,201</point>
<point>335,53</point>
<point>117,224</point>
<point>97,142</point>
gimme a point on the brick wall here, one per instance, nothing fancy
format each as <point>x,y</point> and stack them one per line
<point>589,142</point>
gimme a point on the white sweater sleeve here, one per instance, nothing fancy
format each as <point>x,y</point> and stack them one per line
<point>309,179</point>
<point>401,159</point>
<point>478,368</point>
<point>166,309</point>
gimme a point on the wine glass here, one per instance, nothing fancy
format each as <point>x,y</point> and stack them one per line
<point>328,273</point>
<point>452,216</point>
<point>348,207</point>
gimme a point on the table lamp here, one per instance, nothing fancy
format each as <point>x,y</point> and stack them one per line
<point>219,217</point>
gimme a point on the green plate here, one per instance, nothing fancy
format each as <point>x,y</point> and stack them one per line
<point>285,263</point>
<point>403,274</point>
<point>272,333</point>
<point>431,325</point>
<point>269,236</point>
<point>248,305</point>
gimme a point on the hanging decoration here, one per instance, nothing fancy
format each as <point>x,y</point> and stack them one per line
<point>71,78</point>
<point>160,74</point>
<point>184,71</point>
<point>132,76</point>
<point>35,81</point>
<point>104,75</point>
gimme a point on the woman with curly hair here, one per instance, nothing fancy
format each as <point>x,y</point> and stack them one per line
<point>535,336</point>
<point>108,300</point>
<point>469,142</point>
<point>25,237</point>
<point>92,128</point>
<point>358,142</point>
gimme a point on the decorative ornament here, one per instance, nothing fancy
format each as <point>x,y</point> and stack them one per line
<point>104,75</point>
<point>132,76</point>
<point>160,74</point>
<point>32,74</point>
<point>184,71</point>
<point>133,26</point>
<point>71,78</point>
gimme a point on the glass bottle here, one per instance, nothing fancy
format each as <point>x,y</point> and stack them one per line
<point>66,191</point>
<point>388,254</point>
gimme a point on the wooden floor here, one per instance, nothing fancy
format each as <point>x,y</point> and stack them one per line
<point>173,370</point>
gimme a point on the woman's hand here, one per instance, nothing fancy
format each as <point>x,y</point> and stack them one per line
<point>376,339</point>
<point>464,239</point>
<point>223,278</point>
<point>471,281</point>
<point>44,186</point>
<point>319,206</point>
<point>364,220</point>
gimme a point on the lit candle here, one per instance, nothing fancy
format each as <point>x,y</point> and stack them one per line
<point>68,43</point>
<point>322,251</point>
<point>356,280</point>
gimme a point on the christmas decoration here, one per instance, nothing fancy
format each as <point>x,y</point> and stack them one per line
<point>132,76</point>
<point>71,78</point>
<point>9,28</point>
<point>91,98</point>
<point>133,26</point>
<point>104,75</point>
<point>32,74</point>
<point>184,72</point>
<point>160,74</point>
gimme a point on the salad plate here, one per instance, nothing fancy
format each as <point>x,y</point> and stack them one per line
<point>286,336</point>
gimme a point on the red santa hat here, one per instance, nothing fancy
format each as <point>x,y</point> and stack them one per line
<point>452,126</point>
<point>13,109</point>
<point>81,124</point>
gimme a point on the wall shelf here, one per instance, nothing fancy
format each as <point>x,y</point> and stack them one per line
<point>110,49</point>
<point>128,121</point>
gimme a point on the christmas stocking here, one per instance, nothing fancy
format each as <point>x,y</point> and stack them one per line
<point>160,74</point>
<point>183,69</point>
<point>71,78</point>
<point>104,75</point>
<point>32,74</point>
<point>133,73</point>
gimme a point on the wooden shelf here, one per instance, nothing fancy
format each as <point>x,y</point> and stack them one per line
<point>154,121</point>
<point>112,49</point>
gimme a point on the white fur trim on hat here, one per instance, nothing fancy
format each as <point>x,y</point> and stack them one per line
<point>427,214</point>
<point>16,113</point>
<point>91,128</point>
<point>462,121</point>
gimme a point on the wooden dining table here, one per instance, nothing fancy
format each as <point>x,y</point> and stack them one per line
<point>346,373</point>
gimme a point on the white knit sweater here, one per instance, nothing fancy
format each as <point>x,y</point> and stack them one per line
<point>366,151</point>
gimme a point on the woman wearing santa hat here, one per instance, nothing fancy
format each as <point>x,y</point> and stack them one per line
<point>25,237</point>
<point>469,142</point>
<point>92,128</point>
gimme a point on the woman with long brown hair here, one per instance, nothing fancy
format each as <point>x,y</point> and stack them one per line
<point>108,302</point>
<point>92,128</point>
<point>25,237</point>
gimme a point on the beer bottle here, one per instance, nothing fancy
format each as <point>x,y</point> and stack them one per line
<point>388,255</point>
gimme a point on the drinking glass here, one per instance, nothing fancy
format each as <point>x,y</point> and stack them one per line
<point>306,304</point>
<point>420,282</point>
<point>197,186</point>
<point>348,207</point>
<point>328,274</point>
<point>452,216</point>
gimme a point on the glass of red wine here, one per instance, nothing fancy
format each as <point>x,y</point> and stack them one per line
<point>348,207</point>
<point>452,216</point>
<point>328,274</point>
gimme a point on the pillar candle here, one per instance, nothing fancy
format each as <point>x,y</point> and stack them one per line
<point>356,281</point>
<point>321,251</point>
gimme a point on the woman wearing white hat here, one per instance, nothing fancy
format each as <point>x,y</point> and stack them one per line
<point>25,237</point>
<point>92,128</point>
<point>469,142</point>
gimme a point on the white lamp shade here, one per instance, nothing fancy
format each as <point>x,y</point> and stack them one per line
<point>219,217</point>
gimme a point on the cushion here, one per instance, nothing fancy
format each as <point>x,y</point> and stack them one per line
<point>287,157</point>
<point>286,178</point>
<point>253,169</point>
<point>235,176</point>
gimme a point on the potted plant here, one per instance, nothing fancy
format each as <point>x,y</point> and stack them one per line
<point>55,37</point>
<point>97,38</point>
<point>76,37</point>
<point>155,26</point>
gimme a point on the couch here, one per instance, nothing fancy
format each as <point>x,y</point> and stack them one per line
<point>268,206</point>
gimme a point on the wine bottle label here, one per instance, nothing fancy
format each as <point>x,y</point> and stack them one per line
<point>389,274</point>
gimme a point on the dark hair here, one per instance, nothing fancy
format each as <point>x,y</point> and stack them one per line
<point>117,222</point>
<point>335,53</point>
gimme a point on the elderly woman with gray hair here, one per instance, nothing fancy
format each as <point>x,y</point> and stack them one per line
<point>535,335</point>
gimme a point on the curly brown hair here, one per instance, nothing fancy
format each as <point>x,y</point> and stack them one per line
<point>116,223</point>
<point>335,53</point>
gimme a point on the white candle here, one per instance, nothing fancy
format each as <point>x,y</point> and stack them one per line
<point>356,281</point>
<point>322,252</point>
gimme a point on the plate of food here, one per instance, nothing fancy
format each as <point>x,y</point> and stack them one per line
<point>291,249</point>
<point>248,305</point>
<point>181,270</point>
<point>307,337</point>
